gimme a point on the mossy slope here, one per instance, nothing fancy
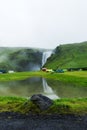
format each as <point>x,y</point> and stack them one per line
<point>68,56</point>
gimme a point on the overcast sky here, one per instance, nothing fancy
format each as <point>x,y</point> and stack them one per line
<point>42,23</point>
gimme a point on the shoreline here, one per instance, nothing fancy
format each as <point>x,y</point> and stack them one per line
<point>78,78</point>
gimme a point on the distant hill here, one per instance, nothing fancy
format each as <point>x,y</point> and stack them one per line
<point>20,59</point>
<point>68,56</point>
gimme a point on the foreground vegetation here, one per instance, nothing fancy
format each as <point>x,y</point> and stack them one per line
<point>60,106</point>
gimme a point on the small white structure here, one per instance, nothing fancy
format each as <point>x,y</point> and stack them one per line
<point>11,71</point>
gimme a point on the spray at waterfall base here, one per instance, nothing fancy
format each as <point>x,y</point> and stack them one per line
<point>45,56</point>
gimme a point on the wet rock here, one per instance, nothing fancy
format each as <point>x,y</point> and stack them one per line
<point>41,101</point>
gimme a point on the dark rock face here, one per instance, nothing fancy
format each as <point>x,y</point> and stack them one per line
<point>41,101</point>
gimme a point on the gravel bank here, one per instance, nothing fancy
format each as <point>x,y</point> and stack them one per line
<point>14,121</point>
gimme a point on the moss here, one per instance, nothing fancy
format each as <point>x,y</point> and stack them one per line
<point>60,106</point>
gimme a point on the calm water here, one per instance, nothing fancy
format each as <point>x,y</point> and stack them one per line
<point>51,88</point>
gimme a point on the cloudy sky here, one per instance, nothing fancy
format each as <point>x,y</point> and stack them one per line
<point>42,23</point>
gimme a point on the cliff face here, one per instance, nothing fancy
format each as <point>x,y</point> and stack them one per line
<point>20,59</point>
<point>68,56</point>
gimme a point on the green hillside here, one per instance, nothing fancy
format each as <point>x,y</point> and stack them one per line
<point>20,59</point>
<point>68,56</point>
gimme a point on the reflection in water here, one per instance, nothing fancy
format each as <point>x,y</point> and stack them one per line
<point>23,88</point>
<point>48,90</point>
<point>67,90</point>
<point>30,86</point>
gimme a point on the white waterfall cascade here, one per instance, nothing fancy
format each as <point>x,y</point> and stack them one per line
<point>45,56</point>
<point>48,90</point>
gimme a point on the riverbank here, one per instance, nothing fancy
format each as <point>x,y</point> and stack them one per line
<point>15,121</point>
<point>77,78</point>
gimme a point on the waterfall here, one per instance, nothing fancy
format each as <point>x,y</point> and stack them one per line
<point>48,90</point>
<point>45,56</point>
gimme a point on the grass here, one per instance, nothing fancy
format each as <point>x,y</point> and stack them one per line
<point>68,56</point>
<point>70,106</point>
<point>60,106</point>
<point>8,104</point>
<point>78,78</point>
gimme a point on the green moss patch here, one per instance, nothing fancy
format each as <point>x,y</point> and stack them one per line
<point>60,106</point>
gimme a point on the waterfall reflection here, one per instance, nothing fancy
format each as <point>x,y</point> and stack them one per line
<point>48,90</point>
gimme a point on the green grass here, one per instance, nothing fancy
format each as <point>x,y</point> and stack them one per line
<point>60,106</point>
<point>68,56</point>
<point>78,78</point>
<point>8,104</point>
<point>70,106</point>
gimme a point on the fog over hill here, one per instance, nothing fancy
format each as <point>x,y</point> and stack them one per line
<point>32,59</point>
<point>20,58</point>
